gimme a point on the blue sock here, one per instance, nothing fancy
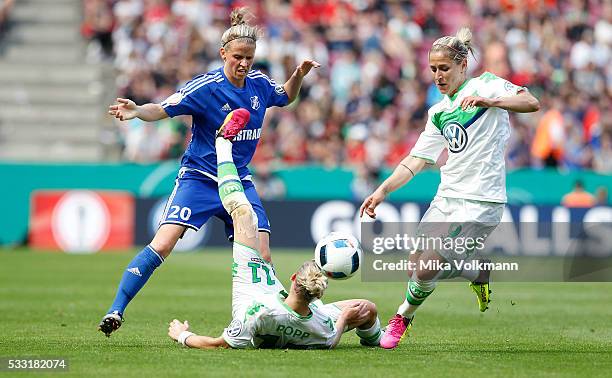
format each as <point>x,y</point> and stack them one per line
<point>135,276</point>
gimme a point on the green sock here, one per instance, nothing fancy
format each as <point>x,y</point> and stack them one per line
<point>227,175</point>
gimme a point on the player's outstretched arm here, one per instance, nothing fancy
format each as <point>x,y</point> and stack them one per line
<point>179,332</point>
<point>293,85</point>
<point>126,109</point>
<point>523,102</point>
<point>402,174</point>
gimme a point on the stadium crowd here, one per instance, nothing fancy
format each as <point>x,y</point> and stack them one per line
<point>5,10</point>
<point>368,102</point>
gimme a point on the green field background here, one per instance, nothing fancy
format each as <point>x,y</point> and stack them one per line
<point>51,304</point>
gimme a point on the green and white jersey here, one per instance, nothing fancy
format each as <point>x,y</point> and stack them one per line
<point>251,276</point>
<point>475,138</point>
<point>269,323</point>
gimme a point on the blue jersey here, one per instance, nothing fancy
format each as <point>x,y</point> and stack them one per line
<point>208,98</point>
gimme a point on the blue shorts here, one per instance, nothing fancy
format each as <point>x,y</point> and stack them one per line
<point>195,199</point>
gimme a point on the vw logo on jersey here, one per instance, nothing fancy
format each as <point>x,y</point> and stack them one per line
<point>234,328</point>
<point>456,136</point>
<point>255,102</point>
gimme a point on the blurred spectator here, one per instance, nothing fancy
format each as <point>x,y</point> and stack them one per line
<point>548,142</point>
<point>517,153</point>
<point>368,102</point>
<point>601,196</point>
<point>603,154</point>
<point>269,186</point>
<point>5,10</point>
<point>365,180</point>
<point>153,141</point>
<point>578,197</point>
<point>172,132</point>
<point>142,144</point>
<point>97,27</point>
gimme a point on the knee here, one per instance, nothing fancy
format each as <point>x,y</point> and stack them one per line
<point>372,311</point>
<point>371,314</point>
<point>162,247</point>
<point>164,243</point>
<point>371,308</point>
<point>425,275</point>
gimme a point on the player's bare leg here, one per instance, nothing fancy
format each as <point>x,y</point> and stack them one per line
<point>166,238</point>
<point>264,246</point>
<point>231,190</point>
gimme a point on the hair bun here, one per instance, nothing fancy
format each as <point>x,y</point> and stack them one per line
<point>311,281</point>
<point>237,16</point>
<point>240,28</point>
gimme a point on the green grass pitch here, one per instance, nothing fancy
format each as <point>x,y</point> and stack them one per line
<point>51,304</point>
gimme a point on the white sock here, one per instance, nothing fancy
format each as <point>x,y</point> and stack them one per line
<point>406,309</point>
<point>372,335</point>
<point>418,291</point>
<point>224,150</point>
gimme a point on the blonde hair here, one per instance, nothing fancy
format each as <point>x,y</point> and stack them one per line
<point>240,29</point>
<point>457,47</point>
<point>310,282</point>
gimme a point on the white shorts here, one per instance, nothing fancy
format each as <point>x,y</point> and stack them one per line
<point>331,310</point>
<point>461,220</point>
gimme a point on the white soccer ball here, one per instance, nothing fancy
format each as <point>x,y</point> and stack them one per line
<point>339,255</point>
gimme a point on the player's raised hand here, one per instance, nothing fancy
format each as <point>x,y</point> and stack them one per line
<point>370,204</point>
<point>476,101</point>
<point>125,109</point>
<point>304,68</point>
<point>176,327</point>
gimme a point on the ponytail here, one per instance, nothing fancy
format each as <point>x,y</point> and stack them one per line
<point>457,47</point>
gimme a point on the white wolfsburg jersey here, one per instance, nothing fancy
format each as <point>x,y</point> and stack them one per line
<point>260,317</point>
<point>251,276</point>
<point>475,138</point>
<point>269,323</point>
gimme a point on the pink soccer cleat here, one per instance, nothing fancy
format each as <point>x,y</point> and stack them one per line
<point>234,122</point>
<point>396,330</point>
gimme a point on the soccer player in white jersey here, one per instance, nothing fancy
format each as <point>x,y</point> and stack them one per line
<point>471,122</point>
<point>264,314</point>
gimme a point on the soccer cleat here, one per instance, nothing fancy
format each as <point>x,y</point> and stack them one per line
<point>481,288</point>
<point>398,328</point>
<point>110,323</point>
<point>483,294</point>
<point>234,122</point>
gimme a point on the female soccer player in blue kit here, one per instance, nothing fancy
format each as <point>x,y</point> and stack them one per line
<point>208,98</point>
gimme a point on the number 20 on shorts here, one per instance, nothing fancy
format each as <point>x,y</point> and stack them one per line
<point>176,211</point>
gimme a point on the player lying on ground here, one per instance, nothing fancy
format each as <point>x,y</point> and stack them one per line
<point>208,99</point>
<point>471,121</point>
<point>264,314</point>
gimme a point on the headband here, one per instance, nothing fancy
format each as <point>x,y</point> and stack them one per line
<point>452,48</point>
<point>242,36</point>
